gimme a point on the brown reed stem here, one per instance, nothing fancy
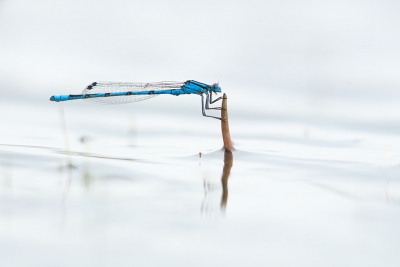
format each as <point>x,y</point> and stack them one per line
<point>225,124</point>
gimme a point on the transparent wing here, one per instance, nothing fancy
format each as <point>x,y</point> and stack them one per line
<point>108,87</point>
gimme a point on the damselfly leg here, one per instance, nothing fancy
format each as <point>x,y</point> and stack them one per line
<point>202,107</point>
<point>210,101</point>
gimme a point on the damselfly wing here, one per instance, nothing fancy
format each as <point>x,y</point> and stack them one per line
<point>109,87</point>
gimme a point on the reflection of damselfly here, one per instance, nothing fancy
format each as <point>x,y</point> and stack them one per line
<point>120,93</point>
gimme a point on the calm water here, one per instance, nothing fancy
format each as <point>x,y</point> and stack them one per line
<point>89,185</point>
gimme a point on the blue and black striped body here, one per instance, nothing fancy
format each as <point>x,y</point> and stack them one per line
<point>120,93</point>
<point>150,89</point>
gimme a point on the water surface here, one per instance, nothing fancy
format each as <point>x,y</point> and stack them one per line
<point>99,186</point>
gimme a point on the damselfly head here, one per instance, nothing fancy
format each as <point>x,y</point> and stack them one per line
<point>216,88</point>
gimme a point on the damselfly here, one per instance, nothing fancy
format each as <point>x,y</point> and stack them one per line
<point>120,93</point>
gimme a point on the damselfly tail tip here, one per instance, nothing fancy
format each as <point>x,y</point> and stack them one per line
<point>53,98</point>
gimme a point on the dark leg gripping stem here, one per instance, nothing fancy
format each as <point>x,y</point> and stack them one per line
<point>210,101</point>
<point>206,106</point>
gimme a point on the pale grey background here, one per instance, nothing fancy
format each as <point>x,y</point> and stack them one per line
<point>311,49</point>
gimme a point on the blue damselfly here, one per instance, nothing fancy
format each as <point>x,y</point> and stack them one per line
<point>121,92</point>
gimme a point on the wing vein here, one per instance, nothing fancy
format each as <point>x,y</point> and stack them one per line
<point>108,87</point>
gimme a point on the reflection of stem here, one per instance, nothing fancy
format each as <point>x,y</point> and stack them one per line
<point>69,165</point>
<point>225,124</point>
<point>67,187</point>
<point>226,171</point>
<point>65,133</point>
<point>86,175</point>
